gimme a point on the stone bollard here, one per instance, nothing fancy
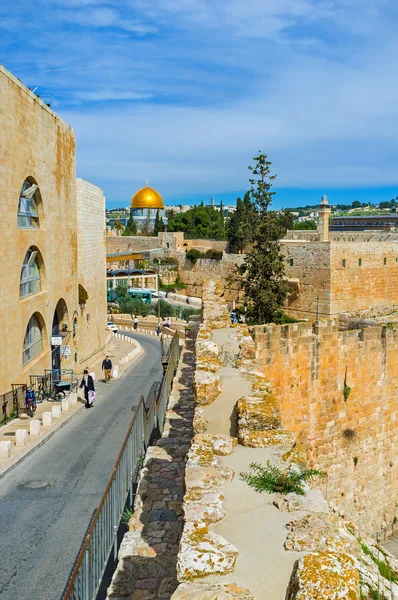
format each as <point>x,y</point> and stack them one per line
<point>65,404</point>
<point>34,427</point>
<point>115,372</point>
<point>47,419</point>
<point>56,411</point>
<point>5,449</point>
<point>73,398</point>
<point>21,438</point>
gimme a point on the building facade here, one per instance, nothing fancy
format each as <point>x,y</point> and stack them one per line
<point>52,282</point>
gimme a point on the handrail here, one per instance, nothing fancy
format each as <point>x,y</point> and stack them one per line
<point>82,585</point>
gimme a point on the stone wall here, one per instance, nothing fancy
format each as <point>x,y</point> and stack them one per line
<point>136,243</point>
<point>337,394</point>
<point>91,268</point>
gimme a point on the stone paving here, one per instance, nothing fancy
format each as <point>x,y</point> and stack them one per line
<point>148,553</point>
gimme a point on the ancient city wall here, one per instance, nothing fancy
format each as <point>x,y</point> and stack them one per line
<point>310,265</point>
<point>91,319</point>
<point>364,275</point>
<point>337,392</point>
<point>134,243</point>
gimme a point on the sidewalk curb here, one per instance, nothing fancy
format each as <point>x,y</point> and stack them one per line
<point>38,443</point>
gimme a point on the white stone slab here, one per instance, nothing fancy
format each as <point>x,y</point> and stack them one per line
<point>47,419</point>
<point>34,427</point>
<point>65,404</point>
<point>73,398</point>
<point>21,438</point>
<point>5,449</point>
<point>56,411</point>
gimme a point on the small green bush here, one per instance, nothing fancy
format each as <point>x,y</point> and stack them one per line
<point>193,254</point>
<point>213,254</point>
<point>384,569</point>
<point>346,391</point>
<point>272,480</point>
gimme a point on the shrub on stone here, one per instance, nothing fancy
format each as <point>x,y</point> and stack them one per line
<point>272,480</point>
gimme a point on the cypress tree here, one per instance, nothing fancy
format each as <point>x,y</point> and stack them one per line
<point>263,269</point>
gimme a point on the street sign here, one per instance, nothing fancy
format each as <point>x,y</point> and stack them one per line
<point>65,350</point>
<point>56,340</point>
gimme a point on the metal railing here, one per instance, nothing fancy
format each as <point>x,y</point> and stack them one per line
<point>101,538</point>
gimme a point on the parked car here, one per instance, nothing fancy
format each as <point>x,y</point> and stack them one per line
<point>161,294</point>
<point>111,325</point>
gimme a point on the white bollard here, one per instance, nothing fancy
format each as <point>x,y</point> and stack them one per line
<point>92,375</point>
<point>47,419</point>
<point>73,398</point>
<point>56,411</point>
<point>21,438</point>
<point>65,404</point>
<point>34,427</point>
<point>115,372</point>
<point>5,449</point>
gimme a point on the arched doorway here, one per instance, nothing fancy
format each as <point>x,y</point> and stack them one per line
<point>59,325</point>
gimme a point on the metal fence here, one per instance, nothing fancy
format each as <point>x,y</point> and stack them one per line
<point>101,538</point>
<point>12,402</point>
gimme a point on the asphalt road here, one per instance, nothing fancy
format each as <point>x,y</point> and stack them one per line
<point>48,500</point>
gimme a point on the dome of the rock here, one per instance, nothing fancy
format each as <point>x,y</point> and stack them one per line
<point>147,197</point>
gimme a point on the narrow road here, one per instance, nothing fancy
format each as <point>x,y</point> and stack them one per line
<point>47,501</point>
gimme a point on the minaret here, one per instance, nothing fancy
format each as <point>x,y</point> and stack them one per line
<point>324,217</point>
<point>212,201</point>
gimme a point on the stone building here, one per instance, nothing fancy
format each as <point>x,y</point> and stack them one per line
<point>53,238</point>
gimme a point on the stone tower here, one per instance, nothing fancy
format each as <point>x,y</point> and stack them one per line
<point>324,217</point>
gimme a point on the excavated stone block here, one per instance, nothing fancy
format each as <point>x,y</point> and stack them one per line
<point>211,591</point>
<point>207,477</point>
<point>324,576</point>
<point>205,447</point>
<point>213,364</point>
<point>313,501</point>
<point>247,348</point>
<point>204,505</point>
<point>200,423</point>
<point>207,387</point>
<point>258,412</point>
<point>206,349</point>
<point>203,552</point>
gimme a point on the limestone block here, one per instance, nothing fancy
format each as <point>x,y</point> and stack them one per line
<point>206,349</point>
<point>21,438</point>
<point>203,552</point>
<point>204,505</point>
<point>229,355</point>
<point>65,404</point>
<point>115,372</point>
<point>73,398</point>
<point>325,576</point>
<point>262,439</point>
<point>5,449</point>
<point>56,411</point>
<point>207,387</point>
<point>200,423</point>
<point>247,348</point>
<point>313,501</point>
<point>211,591</point>
<point>212,364</point>
<point>34,427</point>
<point>258,412</point>
<point>47,419</point>
<point>207,477</point>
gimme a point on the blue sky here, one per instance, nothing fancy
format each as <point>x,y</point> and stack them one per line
<point>184,92</point>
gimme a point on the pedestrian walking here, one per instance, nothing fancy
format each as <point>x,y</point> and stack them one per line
<point>164,323</point>
<point>135,323</point>
<point>157,330</point>
<point>89,391</point>
<point>168,322</point>
<point>187,300</point>
<point>107,368</point>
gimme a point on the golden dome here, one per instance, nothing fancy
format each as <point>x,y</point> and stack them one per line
<point>147,197</point>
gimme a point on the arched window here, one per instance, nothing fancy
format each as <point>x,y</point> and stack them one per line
<point>28,215</point>
<point>30,274</point>
<point>33,342</point>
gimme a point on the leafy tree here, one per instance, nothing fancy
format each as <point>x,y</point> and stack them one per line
<point>201,221</point>
<point>304,225</point>
<point>118,225</point>
<point>356,204</point>
<point>286,220</point>
<point>263,269</point>
<point>159,224</point>
<point>131,227</point>
<point>121,291</point>
<point>146,227</point>
<point>240,226</point>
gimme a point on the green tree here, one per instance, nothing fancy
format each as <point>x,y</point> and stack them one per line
<point>118,225</point>
<point>159,224</point>
<point>146,227</point>
<point>131,227</point>
<point>286,220</point>
<point>303,225</point>
<point>263,269</point>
